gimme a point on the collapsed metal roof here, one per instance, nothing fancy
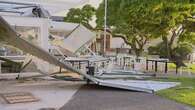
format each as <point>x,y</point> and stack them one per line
<point>75,36</point>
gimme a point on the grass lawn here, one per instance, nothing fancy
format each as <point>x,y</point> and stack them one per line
<point>184,93</point>
<point>190,67</point>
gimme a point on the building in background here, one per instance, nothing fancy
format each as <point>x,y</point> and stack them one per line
<point>114,44</point>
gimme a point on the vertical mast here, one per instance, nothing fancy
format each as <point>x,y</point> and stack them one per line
<point>105,25</point>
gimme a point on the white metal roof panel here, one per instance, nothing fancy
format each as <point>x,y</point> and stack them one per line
<point>78,38</point>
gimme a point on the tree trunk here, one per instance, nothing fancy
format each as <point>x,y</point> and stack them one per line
<point>137,48</point>
<point>169,43</point>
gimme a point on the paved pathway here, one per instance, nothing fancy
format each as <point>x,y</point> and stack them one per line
<point>51,94</point>
<point>92,97</point>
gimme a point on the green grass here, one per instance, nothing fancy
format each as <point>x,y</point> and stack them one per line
<point>190,67</point>
<point>171,66</point>
<point>184,93</point>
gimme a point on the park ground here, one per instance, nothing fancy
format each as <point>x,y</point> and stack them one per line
<point>93,97</point>
<point>184,93</point>
<point>65,95</point>
<point>189,67</point>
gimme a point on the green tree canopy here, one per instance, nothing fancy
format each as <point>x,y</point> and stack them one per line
<point>82,16</point>
<point>143,20</point>
<point>132,18</point>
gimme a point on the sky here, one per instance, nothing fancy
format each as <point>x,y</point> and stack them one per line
<point>55,6</point>
<point>94,3</point>
<point>60,7</point>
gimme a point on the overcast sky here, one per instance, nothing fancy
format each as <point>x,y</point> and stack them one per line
<point>59,7</point>
<point>94,3</point>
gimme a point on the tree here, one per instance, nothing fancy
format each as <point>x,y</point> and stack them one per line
<point>142,20</point>
<point>82,16</point>
<point>131,18</point>
<point>176,20</point>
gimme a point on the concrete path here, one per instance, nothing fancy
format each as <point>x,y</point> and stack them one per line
<point>92,97</point>
<point>51,94</point>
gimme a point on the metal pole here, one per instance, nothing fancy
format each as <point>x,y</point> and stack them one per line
<point>105,25</point>
<point>0,67</point>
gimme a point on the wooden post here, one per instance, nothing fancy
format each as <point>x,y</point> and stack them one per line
<point>156,66</point>
<point>0,67</point>
<point>166,67</point>
<point>152,65</point>
<point>60,70</point>
<point>79,65</point>
<point>176,69</point>
<point>147,65</point>
<point>88,81</point>
<point>124,62</point>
